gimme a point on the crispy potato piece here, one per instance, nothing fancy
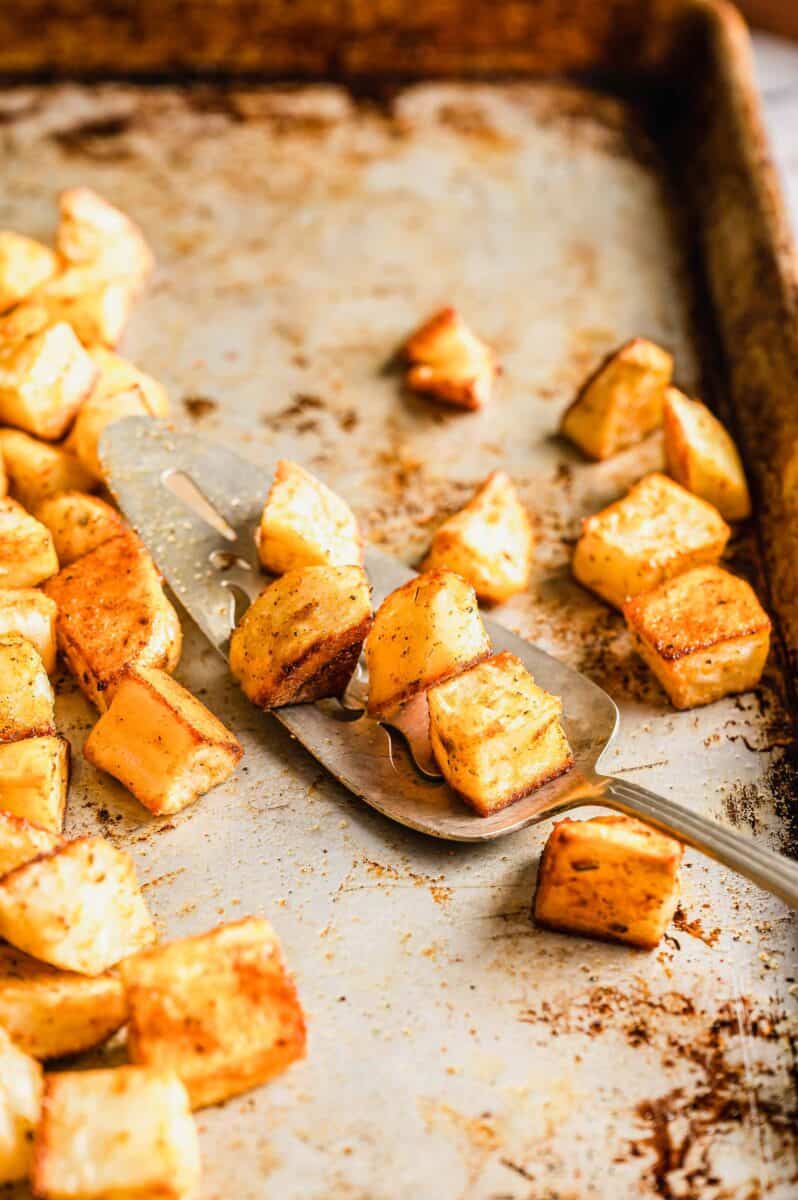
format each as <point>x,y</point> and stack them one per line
<point>609,877</point>
<point>79,524</point>
<point>489,542</point>
<point>117,374</point>
<point>450,362</point>
<point>301,638</point>
<point>93,233</point>
<point>24,265</point>
<point>703,634</point>
<point>21,1085</point>
<point>31,614</point>
<point>51,1013</point>
<point>98,412</point>
<point>34,777</point>
<point>702,456</point>
<point>621,401</point>
<point>45,374</point>
<point>161,742</point>
<point>120,1134</point>
<point>129,621</point>
<point>79,907</point>
<point>304,524</point>
<point>37,470</point>
<point>425,631</point>
<point>495,735</point>
<point>27,703</point>
<point>20,841</point>
<point>95,306</point>
<point>219,1009</point>
<point>27,553</point>
<point>656,531</point>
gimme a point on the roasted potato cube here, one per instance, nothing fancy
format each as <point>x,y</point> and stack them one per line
<point>161,742</point>
<point>27,703</point>
<point>27,553</point>
<point>129,620</point>
<point>20,1108</point>
<point>495,735</point>
<point>489,542</point>
<point>119,375</point>
<point>93,233</point>
<point>34,777</point>
<point>121,1134</point>
<point>450,362</point>
<point>609,877</point>
<point>703,634</point>
<point>24,265</point>
<point>79,524</point>
<point>31,614</point>
<point>304,524</point>
<point>95,306</point>
<point>219,1009</point>
<point>301,639</point>
<point>656,531</point>
<point>98,412</point>
<point>20,841</point>
<point>425,631</point>
<point>37,470</point>
<point>51,1013</point>
<point>79,907</point>
<point>45,374</point>
<point>702,456</point>
<point>621,401</point>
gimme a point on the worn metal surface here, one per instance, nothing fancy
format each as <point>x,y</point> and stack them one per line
<point>455,1050</point>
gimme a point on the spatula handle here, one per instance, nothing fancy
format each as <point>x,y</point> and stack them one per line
<point>769,870</point>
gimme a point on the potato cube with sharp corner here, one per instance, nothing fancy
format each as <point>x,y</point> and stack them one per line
<point>305,524</point>
<point>161,742</point>
<point>51,1013</point>
<point>489,542</point>
<point>129,621</point>
<point>38,470</point>
<point>117,374</point>
<point>621,402</point>
<point>20,841</point>
<point>220,1009</point>
<point>34,777</point>
<point>31,614</point>
<point>20,1108</point>
<point>702,456</point>
<point>24,265</point>
<point>657,530</point>
<point>609,877</point>
<point>450,362</point>
<point>123,1133</point>
<point>45,374</point>
<point>79,907</point>
<point>27,553</point>
<point>95,415</point>
<point>96,307</point>
<point>92,232</point>
<point>79,524</point>
<point>495,734</point>
<point>425,631</point>
<point>27,703</point>
<point>704,635</point>
<point>301,638</point>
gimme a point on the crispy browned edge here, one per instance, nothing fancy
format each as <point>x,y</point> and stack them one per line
<point>330,679</point>
<point>519,794</point>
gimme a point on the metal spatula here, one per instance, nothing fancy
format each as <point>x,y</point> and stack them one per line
<point>196,506</point>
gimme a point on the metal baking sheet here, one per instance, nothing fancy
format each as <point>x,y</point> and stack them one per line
<point>455,1050</point>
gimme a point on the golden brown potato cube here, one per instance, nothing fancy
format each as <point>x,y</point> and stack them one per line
<point>702,456</point>
<point>124,1133</point>
<point>24,265</point>
<point>45,373</point>
<point>129,621</point>
<point>31,614</point>
<point>79,907</point>
<point>20,841</point>
<point>609,877</point>
<point>425,631</point>
<point>93,233</point>
<point>450,362</point>
<point>621,401</point>
<point>51,1013</point>
<point>96,307</point>
<point>96,414</point>
<point>27,553</point>
<point>704,635</point>
<point>304,524</point>
<point>20,1108</point>
<point>79,524</point>
<point>219,1009</point>
<point>37,470</point>
<point>34,777</point>
<point>27,703</point>
<point>489,542</point>
<point>656,531</point>
<point>117,374</point>
<point>495,735</point>
<point>161,742</point>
